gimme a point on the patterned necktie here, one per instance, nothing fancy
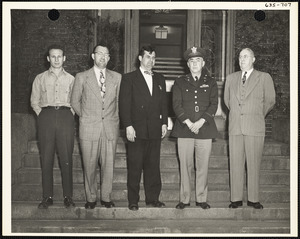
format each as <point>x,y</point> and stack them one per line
<point>102,83</point>
<point>244,77</point>
<point>149,73</point>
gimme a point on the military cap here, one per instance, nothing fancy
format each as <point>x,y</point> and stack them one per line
<point>194,52</point>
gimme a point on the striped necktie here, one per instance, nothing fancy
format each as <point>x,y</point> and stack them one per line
<point>102,84</point>
<point>244,77</point>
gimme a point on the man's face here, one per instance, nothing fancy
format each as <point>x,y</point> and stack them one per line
<point>101,57</point>
<point>147,60</point>
<point>56,58</point>
<point>246,60</point>
<point>195,64</point>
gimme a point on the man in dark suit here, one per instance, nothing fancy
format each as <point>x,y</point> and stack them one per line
<point>143,112</point>
<point>195,102</point>
<point>249,95</point>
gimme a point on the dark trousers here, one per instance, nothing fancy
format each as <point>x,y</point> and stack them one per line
<point>143,156</point>
<point>56,133</point>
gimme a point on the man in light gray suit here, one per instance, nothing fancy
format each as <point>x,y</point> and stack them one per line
<point>95,98</point>
<point>249,95</point>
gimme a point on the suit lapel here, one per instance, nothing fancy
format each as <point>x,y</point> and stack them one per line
<point>236,85</point>
<point>142,85</point>
<point>110,85</point>
<point>252,82</point>
<point>92,82</point>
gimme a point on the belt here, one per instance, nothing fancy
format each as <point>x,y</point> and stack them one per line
<point>57,107</point>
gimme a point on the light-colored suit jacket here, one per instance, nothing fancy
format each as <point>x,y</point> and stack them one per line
<point>247,115</point>
<point>88,103</point>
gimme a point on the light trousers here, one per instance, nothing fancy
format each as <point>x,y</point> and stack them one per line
<point>249,149</point>
<point>187,148</point>
<point>100,152</point>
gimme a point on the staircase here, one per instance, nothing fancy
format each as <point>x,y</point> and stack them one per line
<point>274,194</point>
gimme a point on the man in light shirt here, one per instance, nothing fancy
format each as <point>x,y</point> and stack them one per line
<point>50,99</point>
<point>95,98</point>
<point>249,95</point>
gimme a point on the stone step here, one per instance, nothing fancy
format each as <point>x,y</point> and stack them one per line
<point>169,192</point>
<point>151,226</point>
<point>29,210</point>
<point>220,147</point>
<point>215,176</point>
<point>167,161</point>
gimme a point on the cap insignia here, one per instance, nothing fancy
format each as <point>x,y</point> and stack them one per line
<point>194,50</point>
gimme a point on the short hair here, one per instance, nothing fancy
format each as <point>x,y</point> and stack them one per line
<point>56,46</point>
<point>248,49</point>
<point>148,48</point>
<point>101,46</point>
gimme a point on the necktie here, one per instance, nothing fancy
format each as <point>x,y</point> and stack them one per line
<point>102,83</point>
<point>149,72</point>
<point>244,77</point>
<point>196,78</point>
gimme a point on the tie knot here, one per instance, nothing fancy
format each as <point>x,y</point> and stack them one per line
<point>148,73</point>
<point>196,78</point>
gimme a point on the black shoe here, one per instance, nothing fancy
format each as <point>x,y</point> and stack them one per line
<point>182,205</point>
<point>155,204</point>
<point>68,202</point>
<point>46,202</point>
<point>256,205</point>
<point>236,204</point>
<point>90,205</point>
<point>107,204</point>
<point>133,207</point>
<point>203,205</point>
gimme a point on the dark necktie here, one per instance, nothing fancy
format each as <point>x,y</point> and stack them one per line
<point>102,83</point>
<point>149,73</point>
<point>244,77</point>
<point>196,78</point>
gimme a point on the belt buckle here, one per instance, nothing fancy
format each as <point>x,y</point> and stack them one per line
<point>56,107</point>
<point>197,108</point>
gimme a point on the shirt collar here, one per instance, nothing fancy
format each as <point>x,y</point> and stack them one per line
<point>60,73</point>
<point>248,73</point>
<point>97,71</point>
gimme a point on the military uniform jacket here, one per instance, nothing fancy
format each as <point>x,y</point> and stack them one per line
<point>138,108</point>
<point>194,100</point>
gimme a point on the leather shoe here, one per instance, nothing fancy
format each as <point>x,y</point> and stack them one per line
<point>203,205</point>
<point>68,202</point>
<point>182,205</point>
<point>90,205</point>
<point>155,204</point>
<point>133,207</point>
<point>107,204</point>
<point>256,205</point>
<point>46,202</point>
<point>236,204</point>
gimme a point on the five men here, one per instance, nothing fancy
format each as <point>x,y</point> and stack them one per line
<point>249,95</point>
<point>50,99</point>
<point>195,101</point>
<point>95,99</point>
<point>143,112</point>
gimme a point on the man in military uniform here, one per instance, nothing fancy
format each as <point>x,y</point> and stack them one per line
<point>195,102</point>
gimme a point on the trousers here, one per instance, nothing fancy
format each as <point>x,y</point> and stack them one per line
<point>56,134</point>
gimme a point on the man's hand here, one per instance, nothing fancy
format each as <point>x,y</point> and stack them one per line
<point>197,125</point>
<point>130,133</point>
<point>188,123</point>
<point>164,130</point>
